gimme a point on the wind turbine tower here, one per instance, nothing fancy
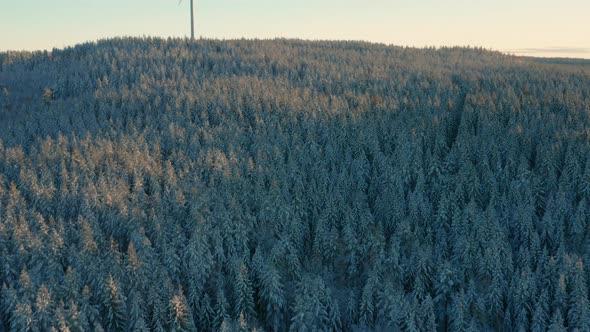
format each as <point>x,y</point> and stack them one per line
<point>192,20</point>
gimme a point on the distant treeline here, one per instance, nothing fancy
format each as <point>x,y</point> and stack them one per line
<point>286,185</point>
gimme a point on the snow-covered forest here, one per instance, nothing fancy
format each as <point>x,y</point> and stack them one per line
<point>169,185</point>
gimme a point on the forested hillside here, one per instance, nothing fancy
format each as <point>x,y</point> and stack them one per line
<point>166,185</point>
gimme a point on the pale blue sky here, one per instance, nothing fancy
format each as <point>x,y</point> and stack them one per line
<point>534,27</point>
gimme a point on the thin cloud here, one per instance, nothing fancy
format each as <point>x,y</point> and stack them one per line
<point>556,50</point>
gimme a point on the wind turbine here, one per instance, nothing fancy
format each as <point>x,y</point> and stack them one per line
<point>192,19</point>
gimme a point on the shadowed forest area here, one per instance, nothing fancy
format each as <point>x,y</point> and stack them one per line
<point>285,185</point>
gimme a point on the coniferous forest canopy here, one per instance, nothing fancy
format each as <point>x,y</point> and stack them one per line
<point>166,185</point>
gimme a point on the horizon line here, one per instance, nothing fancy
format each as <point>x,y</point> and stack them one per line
<point>522,52</point>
